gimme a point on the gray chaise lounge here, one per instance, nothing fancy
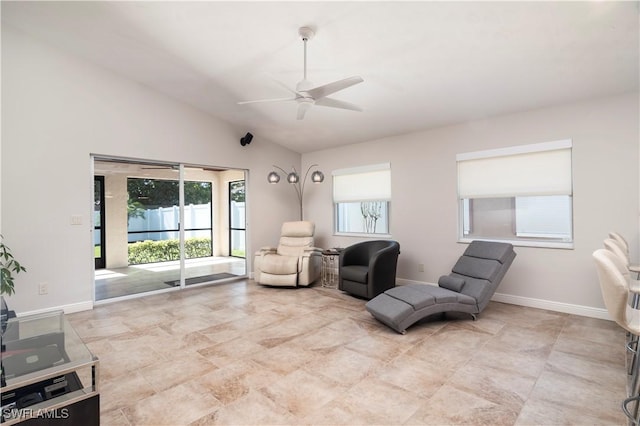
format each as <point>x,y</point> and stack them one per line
<point>468,288</point>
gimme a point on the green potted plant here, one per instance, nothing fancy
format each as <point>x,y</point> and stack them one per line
<point>8,267</point>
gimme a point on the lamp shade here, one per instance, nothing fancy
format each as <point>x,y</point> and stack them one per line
<point>273,177</point>
<point>293,177</point>
<point>317,176</point>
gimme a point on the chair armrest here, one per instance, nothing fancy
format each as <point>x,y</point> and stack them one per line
<point>309,251</point>
<point>266,250</point>
<point>634,286</point>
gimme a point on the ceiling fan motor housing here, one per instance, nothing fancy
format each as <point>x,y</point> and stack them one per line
<point>306,33</point>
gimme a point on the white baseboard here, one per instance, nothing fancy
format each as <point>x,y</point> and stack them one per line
<point>550,305</point>
<point>68,309</point>
<point>585,311</point>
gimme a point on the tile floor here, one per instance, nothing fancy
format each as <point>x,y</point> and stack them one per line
<point>117,282</point>
<point>238,353</point>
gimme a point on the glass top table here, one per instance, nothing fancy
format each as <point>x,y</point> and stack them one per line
<point>45,366</point>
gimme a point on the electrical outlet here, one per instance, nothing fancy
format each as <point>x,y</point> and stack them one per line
<point>76,219</point>
<point>43,288</point>
<point>420,267</point>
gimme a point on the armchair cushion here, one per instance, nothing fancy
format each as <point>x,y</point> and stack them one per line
<point>299,229</point>
<point>355,273</point>
<point>501,252</point>
<point>477,267</point>
<point>294,246</point>
<point>412,296</point>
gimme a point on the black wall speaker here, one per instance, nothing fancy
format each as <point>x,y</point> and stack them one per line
<point>246,140</point>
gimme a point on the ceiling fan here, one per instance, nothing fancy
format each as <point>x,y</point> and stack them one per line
<point>305,94</point>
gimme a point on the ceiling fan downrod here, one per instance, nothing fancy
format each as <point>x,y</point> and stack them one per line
<point>307,34</point>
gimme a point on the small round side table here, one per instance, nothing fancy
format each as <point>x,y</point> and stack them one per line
<point>330,268</point>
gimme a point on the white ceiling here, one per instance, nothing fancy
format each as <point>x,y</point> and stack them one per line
<point>424,64</point>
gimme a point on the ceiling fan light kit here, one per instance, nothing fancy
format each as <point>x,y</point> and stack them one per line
<point>306,95</point>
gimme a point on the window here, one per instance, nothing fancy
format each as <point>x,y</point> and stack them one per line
<point>521,194</point>
<point>361,198</point>
<point>153,214</point>
<point>237,221</point>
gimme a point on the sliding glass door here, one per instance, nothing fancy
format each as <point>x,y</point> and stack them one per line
<point>153,220</point>
<point>237,222</point>
<point>162,227</point>
<point>98,222</point>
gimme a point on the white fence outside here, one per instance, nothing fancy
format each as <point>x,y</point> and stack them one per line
<point>195,216</point>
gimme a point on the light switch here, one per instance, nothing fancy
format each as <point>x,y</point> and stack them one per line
<point>76,219</point>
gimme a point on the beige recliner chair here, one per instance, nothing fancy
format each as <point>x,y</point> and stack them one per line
<point>295,262</point>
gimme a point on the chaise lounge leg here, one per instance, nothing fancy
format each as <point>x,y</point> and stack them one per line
<point>474,317</point>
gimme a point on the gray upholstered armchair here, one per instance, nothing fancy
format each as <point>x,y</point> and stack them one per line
<point>295,262</point>
<point>368,268</point>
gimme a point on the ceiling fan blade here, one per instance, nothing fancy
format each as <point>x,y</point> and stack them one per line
<point>334,103</point>
<point>327,89</point>
<point>266,100</point>
<point>302,109</point>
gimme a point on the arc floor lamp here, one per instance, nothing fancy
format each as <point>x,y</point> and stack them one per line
<point>294,179</point>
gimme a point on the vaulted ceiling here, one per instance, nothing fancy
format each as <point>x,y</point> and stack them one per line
<point>424,64</point>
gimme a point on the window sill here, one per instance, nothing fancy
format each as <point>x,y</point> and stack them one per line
<point>362,235</point>
<point>520,243</point>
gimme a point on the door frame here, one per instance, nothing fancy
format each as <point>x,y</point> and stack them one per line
<point>100,262</point>
<point>124,163</point>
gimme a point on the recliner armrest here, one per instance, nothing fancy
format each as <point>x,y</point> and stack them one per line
<point>266,250</point>
<point>309,251</point>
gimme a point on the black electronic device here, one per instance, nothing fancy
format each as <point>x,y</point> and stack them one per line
<point>38,392</point>
<point>246,139</point>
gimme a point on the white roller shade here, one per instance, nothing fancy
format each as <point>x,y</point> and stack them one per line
<point>368,183</point>
<point>531,170</point>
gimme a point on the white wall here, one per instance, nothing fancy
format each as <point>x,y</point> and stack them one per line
<point>424,205</point>
<point>58,109</point>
